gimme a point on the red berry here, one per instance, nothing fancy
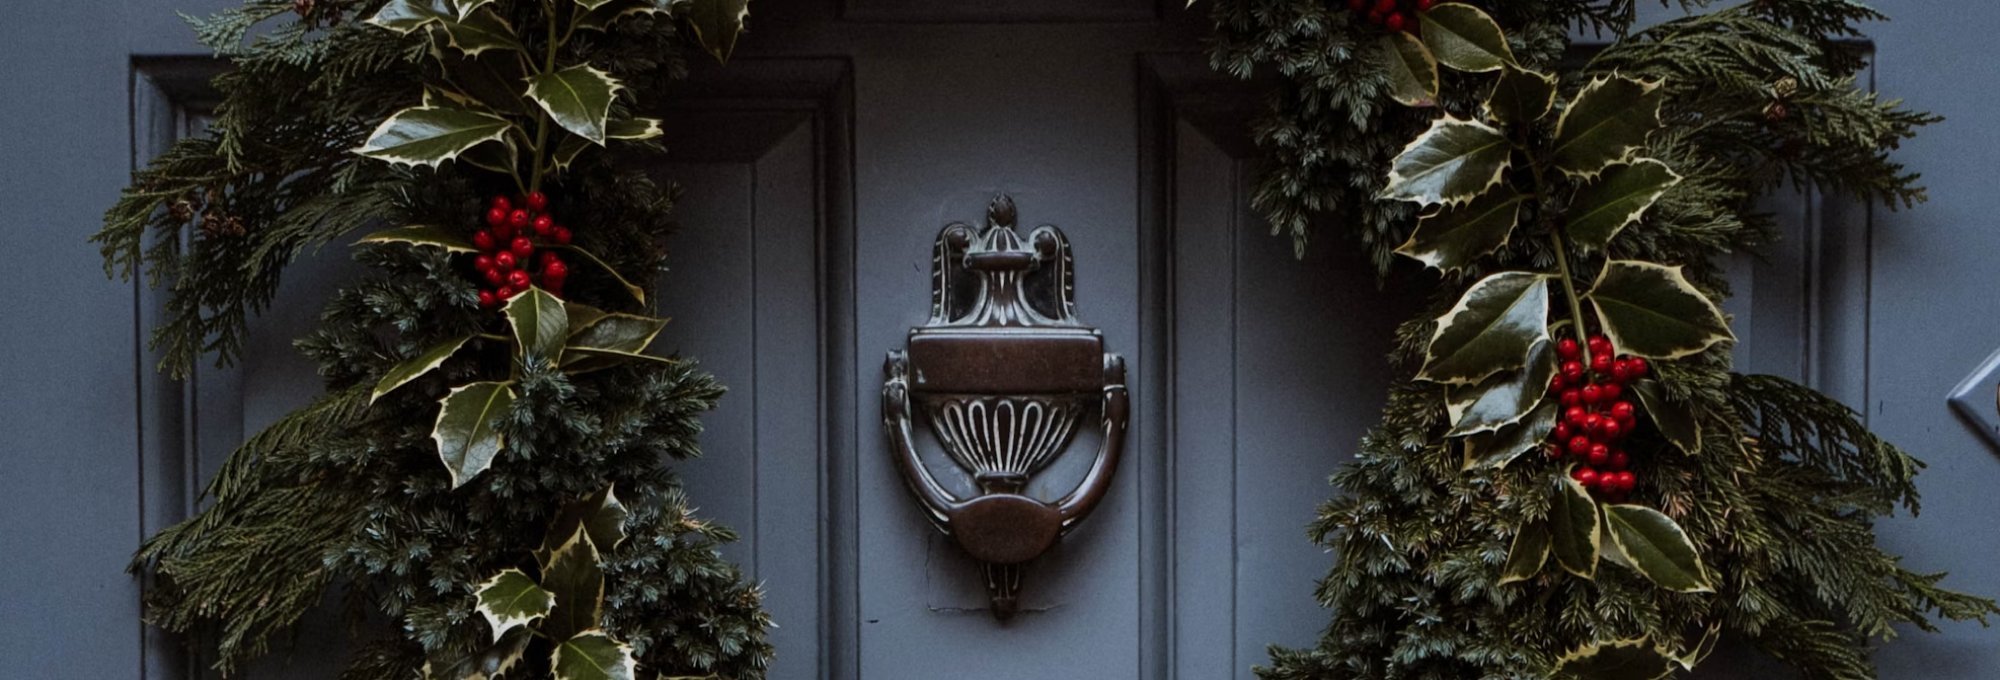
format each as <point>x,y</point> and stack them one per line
<point>482,240</point>
<point>505,293</point>
<point>503,205</point>
<point>1592,394</point>
<point>1619,460</point>
<point>503,233</point>
<point>1621,371</point>
<point>482,262</point>
<point>1552,451</point>
<point>1556,384</point>
<point>1621,410</point>
<point>1601,364</point>
<point>1585,476</point>
<point>560,235</point>
<point>1561,432</point>
<point>522,247</point>
<point>1572,397</point>
<point>1572,370</point>
<point>1626,480</point>
<point>518,279</point>
<point>548,256</point>
<point>1579,445</point>
<point>538,201</point>
<point>1385,6</point>
<point>543,224</point>
<point>487,301</point>
<point>1609,429</point>
<point>1394,23</point>
<point>1612,391</point>
<point>555,270</point>
<point>1425,5</point>
<point>1638,367</point>
<point>1600,344</point>
<point>1568,349</point>
<point>1575,415</point>
<point>518,218</point>
<point>1592,422</point>
<point>495,277</point>
<point>504,261</point>
<point>1599,455</point>
<point>496,217</point>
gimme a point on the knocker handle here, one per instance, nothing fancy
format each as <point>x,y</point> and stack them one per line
<point>896,417</point>
<point>1117,412</point>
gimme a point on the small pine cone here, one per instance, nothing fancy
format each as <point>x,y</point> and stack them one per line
<point>1777,112</point>
<point>181,210</point>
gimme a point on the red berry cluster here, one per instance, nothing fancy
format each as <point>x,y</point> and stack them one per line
<point>1596,415</point>
<point>1391,14</point>
<point>507,260</point>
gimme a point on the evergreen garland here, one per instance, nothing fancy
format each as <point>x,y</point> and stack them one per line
<point>574,492</point>
<point>1441,532</point>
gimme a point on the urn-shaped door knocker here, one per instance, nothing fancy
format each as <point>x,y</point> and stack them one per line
<point>1003,372</point>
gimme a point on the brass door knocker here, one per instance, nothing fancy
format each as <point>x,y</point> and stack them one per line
<point>1003,372</point>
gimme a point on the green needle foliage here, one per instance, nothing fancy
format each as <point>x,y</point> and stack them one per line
<point>345,500</point>
<point>1780,496</point>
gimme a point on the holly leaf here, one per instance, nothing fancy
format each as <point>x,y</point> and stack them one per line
<point>512,599</point>
<point>540,324</point>
<point>593,655</point>
<point>1606,123</point>
<point>480,31</point>
<point>591,4</point>
<point>1521,96</point>
<point>1617,199</point>
<point>1454,238</point>
<point>636,292</point>
<point>404,16</point>
<point>1574,531</point>
<point>1490,329</point>
<point>716,24</point>
<point>1502,398</point>
<point>578,585</point>
<point>1529,552</point>
<point>1676,422</point>
<point>1452,162</point>
<point>431,135</point>
<point>1465,38</point>
<point>585,359</point>
<point>618,332</point>
<point>1657,547</point>
<point>1651,310</point>
<point>468,428</point>
<point>601,515</point>
<point>465,7</point>
<point>496,156</point>
<point>422,235</point>
<point>1498,448</point>
<point>1413,73</point>
<point>608,13</point>
<point>415,367</point>
<point>578,98</point>
<point>581,316</point>
<point>1621,660</point>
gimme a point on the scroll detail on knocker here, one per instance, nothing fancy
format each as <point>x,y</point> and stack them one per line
<point>1003,372</point>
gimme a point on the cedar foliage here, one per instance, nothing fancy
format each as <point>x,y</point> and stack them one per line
<point>345,498</point>
<point>1782,497</point>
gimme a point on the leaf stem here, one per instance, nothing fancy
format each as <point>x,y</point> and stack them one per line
<point>1562,259</point>
<point>541,116</point>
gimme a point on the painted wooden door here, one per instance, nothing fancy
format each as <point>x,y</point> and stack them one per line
<point>817,169</point>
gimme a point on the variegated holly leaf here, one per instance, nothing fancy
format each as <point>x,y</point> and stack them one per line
<point>1503,398</point>
<point>1618,198</point>
<point>1454,238</point>
<point>1607,122</point>
<point>1489,330</point>
<point>468,428</point>
<point>404,16</point>
<point>497,156</point>
<point>480,31</point>
<point>512,599</point>
<point>1452,162</point>
<point>636,292</point>
<point>716,24</point>
<point>430,135</point>
<point>628,129</point>
<point>1574,531</point>
<point>578,584</point>
<point>601,515</point>
<point>1521,96</point>
<point>1465,38</point>
<point>415,367</point>
<point>593,655</point>
<point>618,332</point>
<point>1652,311</point>
<point>1413,73</point>
<point>1498,448</point>
<point>1656,547</point>
<point>1675,422</point>
<point>592,4</point>
<point>422,235</point>
<point>1526,557</point>
<point>608,13</point>
<point>1621,660</point>
<point>578,98</point>
<point>540,325</point>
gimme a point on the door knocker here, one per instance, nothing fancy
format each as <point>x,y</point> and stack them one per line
<point>1003,372</point>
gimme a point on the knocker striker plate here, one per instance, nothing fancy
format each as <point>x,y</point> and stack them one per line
<point>1003,372</point>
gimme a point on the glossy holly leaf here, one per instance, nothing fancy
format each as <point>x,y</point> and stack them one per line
<point>601,515</point>
<point>1675,421</point>
<point>1607,122</point>
<point>1454,238</point>
<point>581,316</point>
<point>578,98</point>
<point>466,7</point>
<point>1574,531</point>
<point>481,31</point>
<point>584,360</point>
<point>512,599</point>
<point>540,324</point>
<point>468,428</point>
<point>1452,162</point>
<point>430,135</point>
<point>636,292</point>
<point>1620,197</point>
<point>415,367</point>
<point>1413,73</point>
<point>1489,330</point>
<point>577,582</point>
<point>716,24</point>
<point>608,13</point>
<point>593,655</point>
<point>404,16</point>
<point>1502,398</point>
<point>1655,546</point>
<point>618,332</point>
<point>1465,38</point>
<point>1521,96</point>
<point>1498,448</point>
<point>1651,310</point>
<point>592,4</point>
<point>1621,660</point>
<point>492,80</point>
<point>1529,552</point>
<point>422,235</point>
<point>496,156</point>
